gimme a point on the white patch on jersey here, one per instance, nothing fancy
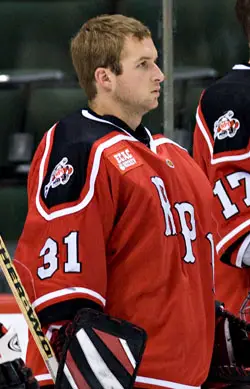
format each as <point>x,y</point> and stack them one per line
<point>124,159</point>
<point>60,175</point>
<point>226,126</point>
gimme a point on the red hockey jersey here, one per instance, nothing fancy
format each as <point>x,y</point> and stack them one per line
<point>222,149</point>
<point>116,217</point>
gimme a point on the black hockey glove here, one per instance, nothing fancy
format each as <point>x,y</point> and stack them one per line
<point>15,375</point>
<point>231,355</point>
<point>13,372</point>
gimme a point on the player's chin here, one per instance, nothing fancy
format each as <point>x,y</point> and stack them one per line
<point>150,105</point>
<point>154,104</point>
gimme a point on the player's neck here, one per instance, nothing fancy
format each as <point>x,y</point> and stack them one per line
<point>132,119</point>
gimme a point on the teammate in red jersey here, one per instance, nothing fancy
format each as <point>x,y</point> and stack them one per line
<point>116,220</point>
<point>222,149</point>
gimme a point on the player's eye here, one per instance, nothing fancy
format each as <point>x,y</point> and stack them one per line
<point>143,64</point>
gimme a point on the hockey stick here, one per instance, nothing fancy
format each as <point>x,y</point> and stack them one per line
<point>27,310</point>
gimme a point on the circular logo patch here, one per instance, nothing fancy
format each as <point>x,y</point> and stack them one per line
<point>169,163</point>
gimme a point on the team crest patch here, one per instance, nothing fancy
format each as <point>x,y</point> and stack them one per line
<point>60,175</point>
<point>124,160</point>
<point>226,126</point>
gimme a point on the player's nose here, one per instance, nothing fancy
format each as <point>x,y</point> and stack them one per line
<point>159,75</point>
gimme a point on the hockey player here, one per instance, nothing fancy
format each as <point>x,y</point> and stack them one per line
<point>222,149</point>
<point>118,234</point>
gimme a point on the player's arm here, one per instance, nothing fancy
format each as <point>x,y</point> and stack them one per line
<point>14,374</point>
<point>221,148</point>
<point>61,255</point>
<point>201,153</point>
<point>71,214</point>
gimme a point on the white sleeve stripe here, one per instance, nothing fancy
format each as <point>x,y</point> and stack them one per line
<point>43,377</point>
<point>232,234</point>
<point>163,383</point>
<point>41,168</point>
<point>204,132</point>
<point>86,200</point>
<point>65,292</point>
<point>239,157</point>
<point>214,161</point>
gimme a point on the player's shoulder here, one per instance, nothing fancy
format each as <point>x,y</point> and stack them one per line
<point>176,154</point>
<point>65,155</point>
<point>227,87</point>
<point>173,152</point>
<point>161,140</point>
<point>80,128</point>
<point>223,110</point>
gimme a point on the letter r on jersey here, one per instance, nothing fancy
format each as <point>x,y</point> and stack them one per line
<point>169,219</point>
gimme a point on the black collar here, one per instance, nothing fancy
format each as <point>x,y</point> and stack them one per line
<point>140,133</point>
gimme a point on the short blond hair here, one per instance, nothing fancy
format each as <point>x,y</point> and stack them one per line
<point>99,43</point>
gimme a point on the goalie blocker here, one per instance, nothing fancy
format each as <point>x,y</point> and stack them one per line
<point>99,351</point>
<point>231,355</point>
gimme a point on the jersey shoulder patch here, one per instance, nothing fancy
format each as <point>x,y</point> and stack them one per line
<point>68,158</point>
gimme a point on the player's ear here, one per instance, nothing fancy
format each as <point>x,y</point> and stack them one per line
<point>102,78</point>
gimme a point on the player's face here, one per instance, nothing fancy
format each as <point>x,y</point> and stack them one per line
<point>137,89</point>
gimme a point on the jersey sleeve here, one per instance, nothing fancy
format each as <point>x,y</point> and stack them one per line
<point>68,223</point>
<point>221,148</point>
